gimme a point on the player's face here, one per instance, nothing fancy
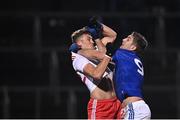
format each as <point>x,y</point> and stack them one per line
<point>127,43</point>
<point>86,42</point>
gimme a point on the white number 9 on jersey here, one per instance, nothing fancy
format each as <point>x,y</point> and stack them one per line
<point>140,69</point>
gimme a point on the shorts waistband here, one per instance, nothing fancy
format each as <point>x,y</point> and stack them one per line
<point>137,102</point>
<point>104,100</point>
<point>132,100</point>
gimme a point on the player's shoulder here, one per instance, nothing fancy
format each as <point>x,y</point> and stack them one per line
<point>76,56</point>
<point>73,55</point>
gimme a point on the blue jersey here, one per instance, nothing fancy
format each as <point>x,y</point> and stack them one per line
<point>129,74</point>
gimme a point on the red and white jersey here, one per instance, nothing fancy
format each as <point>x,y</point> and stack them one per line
<point>79,63</point>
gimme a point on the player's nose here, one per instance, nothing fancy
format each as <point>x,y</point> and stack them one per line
<point>92,41</point>
<point>124,40</point>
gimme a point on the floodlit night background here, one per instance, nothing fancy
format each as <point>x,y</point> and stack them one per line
<point>36,76</point>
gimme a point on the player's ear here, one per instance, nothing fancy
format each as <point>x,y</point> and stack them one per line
<point>133,47</point>
<point>79,43</point>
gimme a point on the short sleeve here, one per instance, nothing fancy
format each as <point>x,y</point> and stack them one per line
<point>79,62</point>
<point>114,57</point>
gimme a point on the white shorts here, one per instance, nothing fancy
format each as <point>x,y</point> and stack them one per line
<point>136,110</point>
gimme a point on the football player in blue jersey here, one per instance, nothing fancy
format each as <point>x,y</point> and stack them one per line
<point>129,77</point>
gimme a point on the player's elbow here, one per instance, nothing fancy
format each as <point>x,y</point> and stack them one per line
<point>97,76</point>
<point>114,36</point>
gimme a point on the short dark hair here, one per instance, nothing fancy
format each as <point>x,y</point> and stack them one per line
<point>75,35</point>
<point>140,41</point>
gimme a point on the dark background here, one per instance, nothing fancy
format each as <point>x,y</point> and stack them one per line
<point>36,76</point>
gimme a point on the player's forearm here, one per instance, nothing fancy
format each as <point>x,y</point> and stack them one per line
<point>109,35</point>
<point>108,32</point>
<point>100,68</point>
<point>92,54</point>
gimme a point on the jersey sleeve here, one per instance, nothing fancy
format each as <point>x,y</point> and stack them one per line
<point>114,57</point>
<point>119,54</point>
<point>79,62</point>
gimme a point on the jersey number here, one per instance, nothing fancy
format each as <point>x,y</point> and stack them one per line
<point>140,69</point>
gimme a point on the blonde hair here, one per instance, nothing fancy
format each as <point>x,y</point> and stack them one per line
<point>76,34</point>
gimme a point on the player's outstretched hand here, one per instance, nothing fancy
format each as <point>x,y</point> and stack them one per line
<point>94,22</point>
<point>94,33</point>
<point>95,27</point>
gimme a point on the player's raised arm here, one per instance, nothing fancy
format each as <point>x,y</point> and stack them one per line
<point>109,35</point>
<point>101,35</point>
<point>92,54</point>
